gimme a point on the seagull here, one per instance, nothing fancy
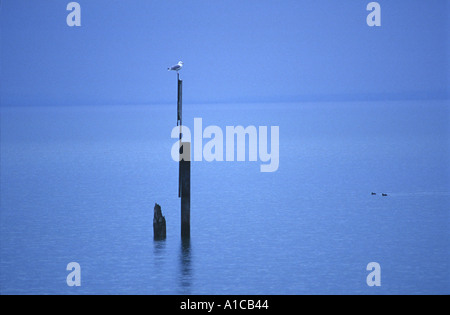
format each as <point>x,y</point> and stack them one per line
<point>177,67</point>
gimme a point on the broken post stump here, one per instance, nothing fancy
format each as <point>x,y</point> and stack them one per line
<point>159,223</point>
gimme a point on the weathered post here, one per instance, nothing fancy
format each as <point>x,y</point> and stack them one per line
<point>159,223</point>
<point>185,184</point>
<point>179,123</point>
<point>179,101</point>
<point>184,169</point>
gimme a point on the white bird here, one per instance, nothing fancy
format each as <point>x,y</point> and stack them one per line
<point>177,67</point>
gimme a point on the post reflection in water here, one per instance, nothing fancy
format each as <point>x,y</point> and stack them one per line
<point>159,252</point>
<point>185,266</point>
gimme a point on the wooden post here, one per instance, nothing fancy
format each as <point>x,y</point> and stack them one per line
<point>159,223</point>
<point>179,101</point>
<point>179,122</point>
<point>185,175</point>
<point>184,170</point>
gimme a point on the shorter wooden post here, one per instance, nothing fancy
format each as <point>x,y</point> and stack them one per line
<point>159,223</point>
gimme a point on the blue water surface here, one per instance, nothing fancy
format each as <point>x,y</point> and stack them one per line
<point>79,184</point>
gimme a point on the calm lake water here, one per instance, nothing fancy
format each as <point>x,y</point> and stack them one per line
<point>79,184</point>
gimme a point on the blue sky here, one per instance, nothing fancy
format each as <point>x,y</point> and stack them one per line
<point>234,51</point>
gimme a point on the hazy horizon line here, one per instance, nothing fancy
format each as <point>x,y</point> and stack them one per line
<point>358,97</point>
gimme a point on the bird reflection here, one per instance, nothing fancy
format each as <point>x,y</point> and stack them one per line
<point>185,266</point>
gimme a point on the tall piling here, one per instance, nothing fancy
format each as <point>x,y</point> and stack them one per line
<point>185,175</point>
<point>179,101</point>
<point>179,123</point>
<point>184,170</point>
